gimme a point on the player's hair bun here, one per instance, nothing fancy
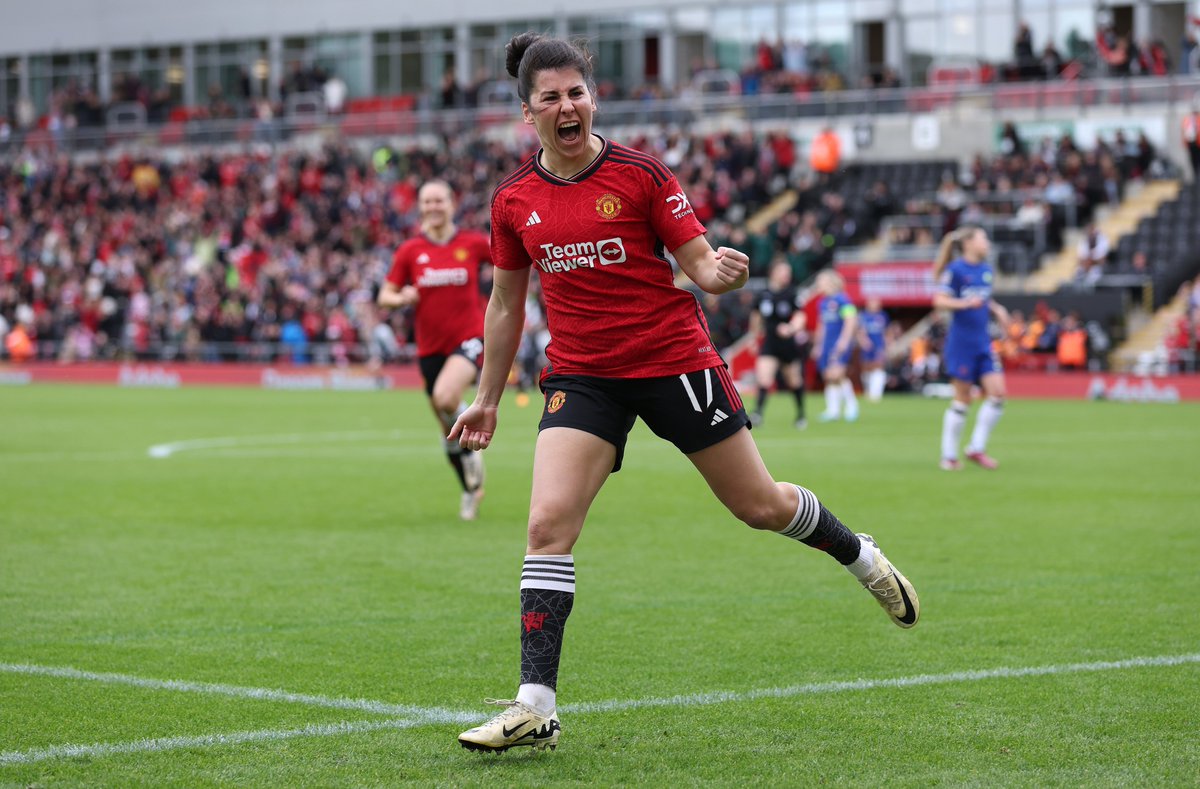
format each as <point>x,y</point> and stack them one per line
<point>515,50</point>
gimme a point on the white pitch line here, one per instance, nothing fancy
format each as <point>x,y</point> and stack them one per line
<point>721,697</point>
<point>423,714</point>
<point>199,741</point>
<point>223,442</point>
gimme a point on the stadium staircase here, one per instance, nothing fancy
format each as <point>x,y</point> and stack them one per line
<point>763,217</point>
<point>1060,268</point>
<point>1146,345</point>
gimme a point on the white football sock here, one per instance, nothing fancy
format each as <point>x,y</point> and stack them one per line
<point>851,402</point>
<point>861,567</point>
<point>876,383</point>
<point>833,399</point>
<point>952,427</point>
<point>989,414</point>
<point>540,697</point>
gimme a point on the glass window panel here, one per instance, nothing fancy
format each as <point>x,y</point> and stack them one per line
<point>1039,27</point>
<point>831,10</point>
<point>797,21</point>
<point>693,20</point>
<point>411,73</point>
<point>960,36</point>
<point>918,7</point>
<point>872,10</point>
<point>997,31</point>
<point>610,59</point>
<point>921,46</point>
<point>652,20</point>
<point>385,84</point>
<point>1074,30</point>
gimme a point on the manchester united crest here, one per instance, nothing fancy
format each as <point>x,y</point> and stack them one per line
<point>461,254</point>
<point>608,206</point>
<point>556,401</point>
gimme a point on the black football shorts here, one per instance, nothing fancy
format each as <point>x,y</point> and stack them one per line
<point>693,411</point>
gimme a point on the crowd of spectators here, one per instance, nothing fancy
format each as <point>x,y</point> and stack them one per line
<point>250,255</point>
<point>1182,343</point>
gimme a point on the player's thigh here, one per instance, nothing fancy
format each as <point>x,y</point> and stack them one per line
<point>569,468</point>
<point>791,374</point>
<point>992,384</point>
<point>834,372</point>
<point>765,368</point>
<point>736,474</point>
<point>455,377</point>
<point>962,390</point>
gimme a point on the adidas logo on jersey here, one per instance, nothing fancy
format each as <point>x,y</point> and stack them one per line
<point>719,417</point>
<point>533,219</point>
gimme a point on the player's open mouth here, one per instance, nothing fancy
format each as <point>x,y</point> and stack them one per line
<point>569,131</point>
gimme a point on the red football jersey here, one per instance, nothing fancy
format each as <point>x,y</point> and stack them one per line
<point>450,310</point>
<point>597,241</point>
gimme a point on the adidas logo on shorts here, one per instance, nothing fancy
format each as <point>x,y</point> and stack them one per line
<point>719,417</point>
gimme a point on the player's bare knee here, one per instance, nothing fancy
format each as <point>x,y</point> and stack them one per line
<point>757,515</point>
<point>547,535</point>
<point>445,402</point>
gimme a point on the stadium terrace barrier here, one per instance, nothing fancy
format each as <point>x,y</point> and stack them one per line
<point>173,376</point>
<point>894,283</point>
<point>1065,386</point>
<point>1104,386</point>
<point>384,117</point>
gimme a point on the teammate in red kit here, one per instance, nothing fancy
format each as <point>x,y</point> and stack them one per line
<point>438,273</point>
<point>596,218</point>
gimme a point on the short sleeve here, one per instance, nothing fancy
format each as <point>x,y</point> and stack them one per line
<point>672,216</point>
<point>507,252</point>
<point>947,282</point>
<point>398,275</point>
<point>482,249</point>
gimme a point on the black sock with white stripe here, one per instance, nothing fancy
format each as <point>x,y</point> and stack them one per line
<point>819,528</point>
<point>547,594</point>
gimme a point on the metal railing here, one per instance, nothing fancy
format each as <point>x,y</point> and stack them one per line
<point>1070,97</point>
<point>209,352</point>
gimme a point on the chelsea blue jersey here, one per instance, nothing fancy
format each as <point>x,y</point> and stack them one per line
<point>874,324</point>
<point>964,280</point>
<point>834,312</point>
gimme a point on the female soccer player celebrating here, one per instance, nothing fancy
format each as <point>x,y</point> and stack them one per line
<point>438,272</point>
<point>595,217</point>
<point>965,288</point>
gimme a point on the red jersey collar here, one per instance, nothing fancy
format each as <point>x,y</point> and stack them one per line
<point>551,178</point>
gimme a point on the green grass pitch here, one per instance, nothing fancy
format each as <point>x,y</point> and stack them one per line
<point>295,562</point>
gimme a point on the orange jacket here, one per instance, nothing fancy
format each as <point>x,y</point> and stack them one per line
<point>826,153</point>
<point>19,345</point>
<point>1072,348</point>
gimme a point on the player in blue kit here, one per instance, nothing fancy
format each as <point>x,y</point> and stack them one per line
<point>836,329</point>
<point>872,325</point>
<point>964,287</point>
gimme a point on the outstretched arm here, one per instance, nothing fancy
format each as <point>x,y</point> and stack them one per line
<point>502,327</point>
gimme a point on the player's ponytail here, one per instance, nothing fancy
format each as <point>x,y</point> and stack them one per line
<point>952,247</point>
<point>528,53</point>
